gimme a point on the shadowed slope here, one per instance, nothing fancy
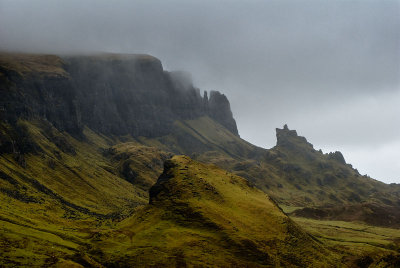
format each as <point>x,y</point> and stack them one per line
<point>131,95</point>
<point>115,94</point>
<point>73,165</point>
<point>55,191</point>
<point>202,215</point>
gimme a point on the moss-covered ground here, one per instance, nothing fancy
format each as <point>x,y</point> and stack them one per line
<point>84,201</point>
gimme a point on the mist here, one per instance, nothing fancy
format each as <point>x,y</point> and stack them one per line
<point>329,69</point>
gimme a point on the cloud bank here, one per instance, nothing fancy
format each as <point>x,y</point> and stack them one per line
<point>330,69</point>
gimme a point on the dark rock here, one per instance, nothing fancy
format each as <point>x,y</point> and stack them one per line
<point>289,138</point>
<point>205,102</point>
<point>159,186</point>
<point>20,158</point>
<point>220,110</point>
<point>111,94</point>
<point>50,98</point>
<point>17,140</point>
<point>131,94</point>
<point>337,156</point>
<point>128,173</point>
<point>364,261</point>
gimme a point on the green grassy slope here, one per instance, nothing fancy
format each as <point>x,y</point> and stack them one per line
<point>325,177</point>
<point>65,169</point>
<point>82,200</point>
<point>365,245</point>
<point>202,215</point>
<point>54,195</point>
<point>203,136</point>
<point>293,172</point>
<point>69,201</point>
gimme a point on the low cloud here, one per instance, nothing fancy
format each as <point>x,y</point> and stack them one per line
<point>330,69</point>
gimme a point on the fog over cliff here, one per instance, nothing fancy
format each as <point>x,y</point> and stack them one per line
<point>330,69</point>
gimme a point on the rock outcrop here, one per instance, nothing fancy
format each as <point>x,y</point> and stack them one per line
<point>110,93</point>
<point>338,156</point>
<point>38,86</point>
<point>220,110</point>
<point>289,139</point>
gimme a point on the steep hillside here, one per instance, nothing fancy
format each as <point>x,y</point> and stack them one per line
<point>83,139</point>
<point>109,93</point>
<point>328,182</point>
<point>57,192</point>
<point>131,98</point>
<point>220,220</point>
<point>331,179</point>
<point>293,172</point>
<point>51,193</point>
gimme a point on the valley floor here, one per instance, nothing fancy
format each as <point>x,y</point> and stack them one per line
<point>22,245</point>
<point>355,235</point>
<point>361,245</point>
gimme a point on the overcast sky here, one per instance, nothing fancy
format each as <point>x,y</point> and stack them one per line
<point>329,69</point>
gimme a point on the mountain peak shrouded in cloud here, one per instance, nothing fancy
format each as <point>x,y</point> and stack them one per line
<point>329,68</point>
<point>113,155</point>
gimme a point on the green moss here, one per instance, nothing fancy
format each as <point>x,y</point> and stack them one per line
<point>26,64</point>
<point>71,204</point>
<point>206,216</point>
<point>59,197</point>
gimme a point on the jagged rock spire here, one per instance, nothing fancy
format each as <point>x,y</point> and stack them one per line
<point>220,110</point>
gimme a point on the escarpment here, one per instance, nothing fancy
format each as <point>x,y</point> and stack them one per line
<point>110,161</point>
<point>131,98</point>
<point>113,94</point>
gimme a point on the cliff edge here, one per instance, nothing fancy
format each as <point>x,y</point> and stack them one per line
<point>114,94</point>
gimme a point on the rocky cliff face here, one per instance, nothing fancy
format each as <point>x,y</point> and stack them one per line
<point>219,109</point>
<point>38,86</point>
<point>111,93</point>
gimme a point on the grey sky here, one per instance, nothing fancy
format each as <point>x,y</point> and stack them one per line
<point>330,69</point>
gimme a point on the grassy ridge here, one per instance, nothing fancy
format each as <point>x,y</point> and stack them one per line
<point>82,200</point>
<point>69,201</point>
<point>202,215</point>
<point>54,198</point>
<point>293,172</point>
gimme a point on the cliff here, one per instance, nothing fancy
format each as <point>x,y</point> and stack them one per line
<point>114,94</point>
